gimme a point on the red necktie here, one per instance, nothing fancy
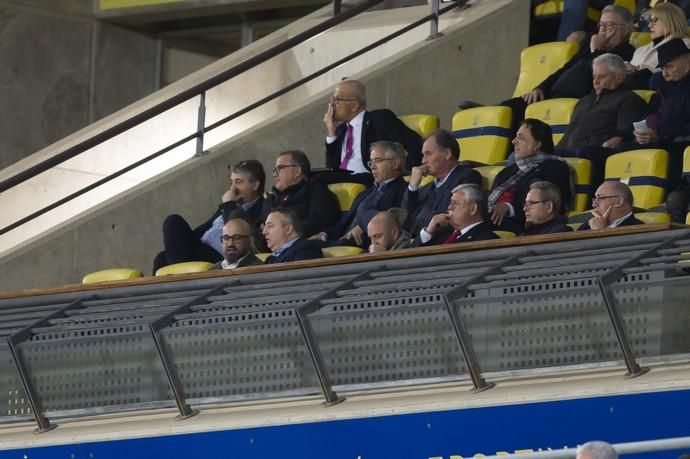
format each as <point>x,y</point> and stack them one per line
<point>453,237</point>
<point>348,147</point>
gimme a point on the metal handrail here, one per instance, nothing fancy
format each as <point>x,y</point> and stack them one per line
<point>200,90</point>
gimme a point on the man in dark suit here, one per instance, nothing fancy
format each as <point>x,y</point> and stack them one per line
<point>351,129</point>
<point>464,221</point>
<point>295,188</point>
<point>440,154</point>
<point>543,209</point>
<point>612,207</point>
<point>386,164</point>
<point>181,243</point>
<point>238,245</point>
<point>283,233</point>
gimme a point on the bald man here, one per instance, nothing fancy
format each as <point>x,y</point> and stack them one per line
<point>351,129</point>
<point>385,233</point>
<point>596,450</point>
<point>237,242</point>
<point>612,207</point>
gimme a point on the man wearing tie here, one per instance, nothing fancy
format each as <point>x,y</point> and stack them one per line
<point>351,129</point>
<point>464,221</point>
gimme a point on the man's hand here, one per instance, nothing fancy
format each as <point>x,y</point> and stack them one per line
<point>438,222</point>
<point>416,175</point>
<point>376,248</point>
<point>613,142</point>
<point>356,234</point>
<point>644,137</point>
<point>318,237</point>
<point>631,68</point>
<point>329,121</point>
<point>232,195</point>
<point>600,220</point>
<point>498,212</point>
<point>533,96</point>
<point>598,41</point>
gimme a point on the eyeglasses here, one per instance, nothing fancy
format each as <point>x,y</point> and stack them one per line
<point>373,161</point>
<point>601,198</point>
<point>280,167</point>
<point>235,238</point>
<point>652,20</point>
<point>337,100</point>
<point>608,25</point>
<point>534,203</point>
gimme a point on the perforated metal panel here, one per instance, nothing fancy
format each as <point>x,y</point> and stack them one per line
<point>239,338</point>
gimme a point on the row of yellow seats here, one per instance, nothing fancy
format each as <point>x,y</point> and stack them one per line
<point>554,7</point>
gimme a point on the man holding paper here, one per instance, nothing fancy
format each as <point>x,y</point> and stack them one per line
<point>667,122</point>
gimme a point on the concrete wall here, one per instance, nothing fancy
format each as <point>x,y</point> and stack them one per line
<point>61,72</point>
<point>476,59</point>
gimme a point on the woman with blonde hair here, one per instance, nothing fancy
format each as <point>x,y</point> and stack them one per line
<point>665,21</point>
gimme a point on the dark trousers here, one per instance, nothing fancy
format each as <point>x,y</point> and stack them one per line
<point>182,244</point>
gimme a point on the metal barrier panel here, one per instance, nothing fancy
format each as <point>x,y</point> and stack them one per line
<point>13,402</point>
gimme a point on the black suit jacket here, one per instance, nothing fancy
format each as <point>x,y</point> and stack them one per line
<point>367,204</point>
<point>378,125</point>
<point>314,203</point>
<point>428,200</point>
<point>631,220</point>
<point>249,260</point>
<point>551,170</point>
<point>302,249</point>
<point>550,227</point>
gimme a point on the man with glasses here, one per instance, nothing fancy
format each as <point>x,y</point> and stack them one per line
<point>181,243</point>
<point>295,188</point>
<point>612,207</point>
<point>542,210</point>
<point>351,129</point>
<point>238,245</point>
<point>465,221</point>
<point>386,163</point>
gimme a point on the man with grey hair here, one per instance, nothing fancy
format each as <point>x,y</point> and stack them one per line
<point>465,220</point>
<point>387,161</point>
<point>542,210</point>
<point>596,450</point>
<point>612,207</point>
<point>605,116</point>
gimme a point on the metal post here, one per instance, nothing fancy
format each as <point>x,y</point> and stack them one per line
<point>170,372</point>
<point>434,33</point>
<point>604,283</point>
<point>449,298</point>
<point>301,313</point>
<point>13,341</point>
<point>337,7</point>
<point>200,125</point>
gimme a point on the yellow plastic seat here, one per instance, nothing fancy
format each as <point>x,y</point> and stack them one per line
<point>582,178</point>
<point>539,61</point>
<point>262,256</point>
<point>422,124</point>
<point>425,180</point>
<point>644,171</point>
<point>687,219</point>
<point>346,193</point>
<point>645,94</point>
<point>686,162</point>
<point>639,39</point>
<point>483,133</point>
<point>340,251</point>
<point>184,268</point>
<point>574,226</point>
<point>489,174</point>
<point>654,217</point>
<point>505,234</point>
<point>113,274</point>
<point>554,112</point>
